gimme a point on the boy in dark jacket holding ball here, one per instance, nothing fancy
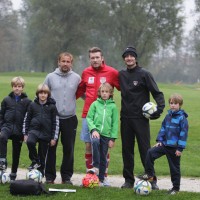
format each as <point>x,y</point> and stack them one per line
<point>41,125</point>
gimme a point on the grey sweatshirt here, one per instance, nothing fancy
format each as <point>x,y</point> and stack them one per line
<point>63,88</point>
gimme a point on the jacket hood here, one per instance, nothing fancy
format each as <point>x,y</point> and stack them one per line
<point>179,112</point>
<point>49,101</point>
<point>60,73</point>
<point>23,95</point>
<point>106,101</point>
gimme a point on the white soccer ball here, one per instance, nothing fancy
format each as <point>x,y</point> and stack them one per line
<point>5,178</point>
<point>148,109</point>
<point>142,187</point>
<point>35,175</point>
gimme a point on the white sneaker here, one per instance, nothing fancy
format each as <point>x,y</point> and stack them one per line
<point>101,184</point>
<point>106,183</point>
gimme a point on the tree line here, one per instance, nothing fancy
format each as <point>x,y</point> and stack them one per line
<point>31,38</point>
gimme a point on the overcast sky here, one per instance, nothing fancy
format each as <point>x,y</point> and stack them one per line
<point>189,12</point>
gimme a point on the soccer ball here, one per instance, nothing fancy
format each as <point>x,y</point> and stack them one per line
<point>148,109</point>
<point>142,187</point>
<point>35,175</point>
<point>5,178</point>
<point>90,181</point>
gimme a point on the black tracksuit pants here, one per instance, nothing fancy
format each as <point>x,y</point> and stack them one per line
<point>132,128</point>
<point>173,160</point>
<point>68,134</point>
<point>40,155</point>
<point>16,148</point>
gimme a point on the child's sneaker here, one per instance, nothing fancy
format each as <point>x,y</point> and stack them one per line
<point>3,164</point>
<point>173,191</point>
<point>13,176</point>
<point>94,170</point>
<point>34,165</point>
<point>106,183</point>
<point>145,177</point>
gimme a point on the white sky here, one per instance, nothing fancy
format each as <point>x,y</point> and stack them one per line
<point>189,12</point>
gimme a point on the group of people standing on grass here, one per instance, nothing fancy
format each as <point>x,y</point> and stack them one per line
<point>52,115</point>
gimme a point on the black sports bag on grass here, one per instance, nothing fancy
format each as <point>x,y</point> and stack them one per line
<point>27,187</point>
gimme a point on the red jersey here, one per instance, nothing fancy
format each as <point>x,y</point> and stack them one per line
<point>92,78</point>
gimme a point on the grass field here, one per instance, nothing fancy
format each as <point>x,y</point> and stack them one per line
<point>190,159</point>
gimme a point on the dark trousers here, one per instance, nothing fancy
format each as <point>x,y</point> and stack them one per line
<point>68,134</point>
<point>16,148</point>
<point>99,154</point>
<point>173,160</point>
<point>131,129</point>
<point>40,155</point>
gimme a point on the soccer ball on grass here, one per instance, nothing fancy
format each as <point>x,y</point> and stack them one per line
<point>148,109</point>
<point>5,177</point>
<point>35,175</point>
<point>142,187</point>
<point>90,181</point>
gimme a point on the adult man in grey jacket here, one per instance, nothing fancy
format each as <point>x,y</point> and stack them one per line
<point>63,83</point>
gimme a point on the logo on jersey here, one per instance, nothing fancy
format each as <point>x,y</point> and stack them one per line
<point>102,79</point>
<point>90,80</point>
<point>135,83</point>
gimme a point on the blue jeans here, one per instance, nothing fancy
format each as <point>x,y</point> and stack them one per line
<point>99,154</point>
<point>85,133</point>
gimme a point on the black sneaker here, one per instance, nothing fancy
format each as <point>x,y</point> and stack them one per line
<point>154,186</point>
<point>68,182</point>
<point>49,182</point>
<point>173,191</point>
<point>3,164</point>
<point>145,177</point>
<point>34,165</point>
<point>127,185</point>
<point>13,176</point>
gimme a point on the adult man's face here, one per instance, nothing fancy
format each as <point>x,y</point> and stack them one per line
<point>65,64</point>
<point>96,59</point>
<point>130,61</point>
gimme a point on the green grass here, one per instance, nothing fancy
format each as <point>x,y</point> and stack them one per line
<point>190,159</point>
<point>100,193</point>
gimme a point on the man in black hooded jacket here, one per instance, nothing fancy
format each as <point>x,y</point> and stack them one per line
<point>136,85</point>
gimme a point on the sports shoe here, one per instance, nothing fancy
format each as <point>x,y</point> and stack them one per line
<point>34,165</point>
<point>127,185</point>
<point>154,185</point>
<point>173,191</point>
<point>68,182</point>
<point>3,164</point>
<point>13,176</point>
<point>106,183</point>
<point>94,170</point>
<point>145,177</point>
<point>49,182</point>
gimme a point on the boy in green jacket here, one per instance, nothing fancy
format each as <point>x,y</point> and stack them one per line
<point>102,119</point>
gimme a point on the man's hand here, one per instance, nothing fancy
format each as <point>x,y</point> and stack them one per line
<point>156,114</point>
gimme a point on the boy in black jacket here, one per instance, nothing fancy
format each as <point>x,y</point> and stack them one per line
<point>41,125</point>
<point>13,110</point>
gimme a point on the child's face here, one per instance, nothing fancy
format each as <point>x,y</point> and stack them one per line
<point>174,106</point>
<point>43,96</point>
<point>17,89</point>
<point>105,94</point>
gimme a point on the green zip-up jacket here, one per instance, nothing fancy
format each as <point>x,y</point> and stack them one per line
<point>103,117</point>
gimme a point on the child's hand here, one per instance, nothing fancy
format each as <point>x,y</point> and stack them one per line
<point>52,143</point>
<point>178,153</point>
<point>111,144</point>
<point>158,144</point>
<point>95,134</point>
<point>25,138</point>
